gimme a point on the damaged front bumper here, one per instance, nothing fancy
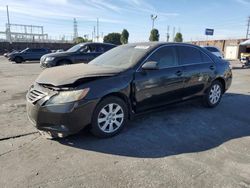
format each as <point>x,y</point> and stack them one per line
<point>60,120</point>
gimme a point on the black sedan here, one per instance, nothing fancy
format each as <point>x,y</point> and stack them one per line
<point>123,82</point>
<point>80,53</point>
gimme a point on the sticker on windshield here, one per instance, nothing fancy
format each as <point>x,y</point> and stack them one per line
<point>142,47</point>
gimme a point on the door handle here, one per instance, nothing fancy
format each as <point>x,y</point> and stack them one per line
<point>178,73</point>
<point>212,67</point>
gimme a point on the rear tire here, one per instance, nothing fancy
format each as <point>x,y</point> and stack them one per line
<point>18,60</point>
<point>213,95</point>
<point>109,117</point>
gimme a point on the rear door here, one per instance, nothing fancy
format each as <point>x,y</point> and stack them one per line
<point>199,69</point>
<point>154,88</point>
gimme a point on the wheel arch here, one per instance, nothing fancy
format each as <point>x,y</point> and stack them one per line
<point>123,97</point>
<point>223,82</point>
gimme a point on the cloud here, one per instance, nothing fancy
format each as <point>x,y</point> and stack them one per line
<point>245,2</point>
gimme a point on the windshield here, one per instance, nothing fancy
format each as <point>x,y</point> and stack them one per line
<point>124,56</point>
<point>75,48</point>
<point>26,49</point>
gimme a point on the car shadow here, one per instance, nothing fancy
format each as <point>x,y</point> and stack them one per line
<point>27,62</point>
<point>183,128</point>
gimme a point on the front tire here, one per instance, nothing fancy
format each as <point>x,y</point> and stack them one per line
<point>109,117</point>
<point>213,96</point>
<point>18,60</point>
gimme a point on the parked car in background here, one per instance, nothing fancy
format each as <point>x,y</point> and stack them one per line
<point>245,59</point>
<point>9,53</point>
<point>214,50</point>
<point>123,82</point>
<point>29,54</point>
<point>60,50</point>
<point>80,53</point>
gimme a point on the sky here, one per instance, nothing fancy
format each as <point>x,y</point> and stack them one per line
<point>228,18</point>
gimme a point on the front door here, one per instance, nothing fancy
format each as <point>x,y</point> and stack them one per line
<point>86,54</point>
<point>158,87</point>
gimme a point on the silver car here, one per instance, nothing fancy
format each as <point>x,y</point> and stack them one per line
<point>214,50</point>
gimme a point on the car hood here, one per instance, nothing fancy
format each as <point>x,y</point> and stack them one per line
<point>69,74</point>
<point>58,54</point>
<point>14,53</point>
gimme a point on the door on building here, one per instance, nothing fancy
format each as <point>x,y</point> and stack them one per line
<point>231,52</point>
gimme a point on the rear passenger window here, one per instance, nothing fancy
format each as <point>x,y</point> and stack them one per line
<point>101,48</point>
<point>165,57</point>
<point>205,58</point>
<point>189,55</point>
<point>38,50</point>
<point>108,47</point>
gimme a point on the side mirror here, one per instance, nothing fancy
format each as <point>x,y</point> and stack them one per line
<point>150,65</point>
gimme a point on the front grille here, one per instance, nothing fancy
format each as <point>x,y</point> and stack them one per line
<point>35,95</point>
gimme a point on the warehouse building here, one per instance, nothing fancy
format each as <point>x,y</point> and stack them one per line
<point>231,48</point>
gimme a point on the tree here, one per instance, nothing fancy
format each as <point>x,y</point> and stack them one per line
<point>113,38</point>
<point>178,37</point>
<point>124,36</point>
<point>154,35</point>
<point>80,40</point>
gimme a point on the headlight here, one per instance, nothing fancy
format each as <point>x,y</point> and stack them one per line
<point>50,58</point>
<point>68,96</point>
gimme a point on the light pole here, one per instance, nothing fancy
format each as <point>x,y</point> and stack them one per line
<point>153,18</point>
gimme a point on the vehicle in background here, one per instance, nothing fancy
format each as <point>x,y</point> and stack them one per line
<point>80,53</point>
<point>123,82</point>
<point>29,54</point>
<point>245,59</point>
<point>59,50</point>
<point>9,53</point>
<point>214,50</point>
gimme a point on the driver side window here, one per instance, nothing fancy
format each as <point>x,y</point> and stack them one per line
<point>165,57</point>
<point>89,49</point>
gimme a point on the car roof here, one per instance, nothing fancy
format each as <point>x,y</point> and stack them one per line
<point>156,44</point>
<point>86,43</point>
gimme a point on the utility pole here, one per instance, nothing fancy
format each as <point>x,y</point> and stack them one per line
<point>94,36</point>
<point>75,29</point>
<point>153,18</point>
<point>173,33</point>
<point>97,29</point>
<point>8,32</point>
<point>248,28</point>
<point>168,33</point>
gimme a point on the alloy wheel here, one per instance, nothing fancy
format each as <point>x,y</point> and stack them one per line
<point>110,118</point>
<point>215,93</point>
